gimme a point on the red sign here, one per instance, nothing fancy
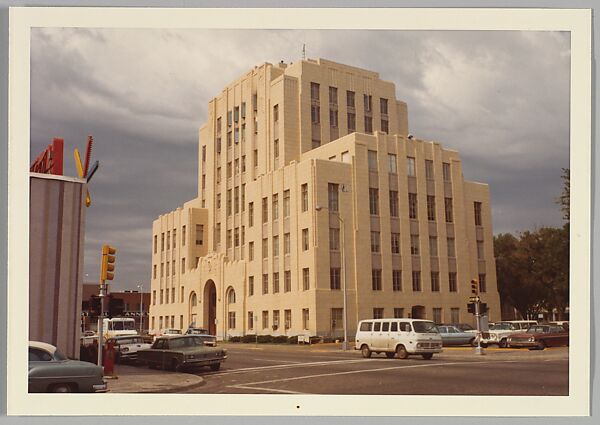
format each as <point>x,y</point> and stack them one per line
<point>51,160</point>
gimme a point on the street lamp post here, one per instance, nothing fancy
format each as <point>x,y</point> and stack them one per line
<point>343,257</point>
<point>141,287</point>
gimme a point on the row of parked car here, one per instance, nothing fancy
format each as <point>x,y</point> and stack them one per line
<point>52,371</point>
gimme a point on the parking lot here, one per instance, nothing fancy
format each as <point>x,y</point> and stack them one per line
<point>326,369</point>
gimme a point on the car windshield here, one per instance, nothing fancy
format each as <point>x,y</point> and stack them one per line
<point>425,327</point>
<point>538,329</point>
<point>503,327</point>
<point>58,355</point>
<point>122,325</point>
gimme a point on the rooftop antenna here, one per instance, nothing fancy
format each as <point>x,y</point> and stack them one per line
<point>304,52</point>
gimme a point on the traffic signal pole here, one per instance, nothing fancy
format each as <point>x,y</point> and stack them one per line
<point>479,348</point>
<point>101,322</point>
<point>107,268</point>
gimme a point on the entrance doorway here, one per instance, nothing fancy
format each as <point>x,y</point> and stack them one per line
<point>418,312</point>
<point>210,307</point>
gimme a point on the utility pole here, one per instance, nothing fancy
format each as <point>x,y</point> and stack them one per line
<point>141,286</point>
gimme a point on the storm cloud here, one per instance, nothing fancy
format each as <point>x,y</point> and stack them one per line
<point>501,98</point>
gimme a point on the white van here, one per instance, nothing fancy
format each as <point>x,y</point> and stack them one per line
<point>398,336</point>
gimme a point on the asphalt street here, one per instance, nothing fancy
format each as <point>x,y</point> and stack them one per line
<point>323,369</point>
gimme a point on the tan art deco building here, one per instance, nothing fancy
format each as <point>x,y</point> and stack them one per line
<point>301,166</point>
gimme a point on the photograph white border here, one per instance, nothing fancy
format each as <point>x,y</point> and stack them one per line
<point>21,20</point>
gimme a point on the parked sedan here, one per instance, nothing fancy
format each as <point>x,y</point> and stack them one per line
<point>452,335</point>
<point>127,347</point>
<point>539,337</point>
<point>50,371</point>
<point>182,352</point>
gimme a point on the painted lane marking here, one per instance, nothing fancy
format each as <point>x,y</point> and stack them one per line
<point>275,360</point>
<point>244,387</point>
<point>290,366</point>
<point>321,375</point>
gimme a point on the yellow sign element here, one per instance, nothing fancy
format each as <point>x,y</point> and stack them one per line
<point>88,200</point>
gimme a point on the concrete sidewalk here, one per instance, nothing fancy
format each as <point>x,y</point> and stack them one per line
<point>140,379</point>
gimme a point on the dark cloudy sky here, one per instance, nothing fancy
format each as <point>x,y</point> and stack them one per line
<point>500,98</point>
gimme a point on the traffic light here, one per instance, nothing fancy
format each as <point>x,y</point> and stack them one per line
<point>474,287</point>
<point>108,263</point>
<point>483,308</point>
<point>471,308</point>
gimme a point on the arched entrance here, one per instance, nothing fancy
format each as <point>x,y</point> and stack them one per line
<point>192,314</point>
<point>418,312</point>
<point>210,307</point>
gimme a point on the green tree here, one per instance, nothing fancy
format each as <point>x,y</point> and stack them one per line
<point>565,197</point>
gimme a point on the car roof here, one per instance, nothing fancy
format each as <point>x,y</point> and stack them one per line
<point>43,345</point>
<point>397,318</point>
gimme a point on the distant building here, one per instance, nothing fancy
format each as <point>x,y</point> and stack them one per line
<point>117,304</point>
<point>56,238</point>
<point>289,153</point>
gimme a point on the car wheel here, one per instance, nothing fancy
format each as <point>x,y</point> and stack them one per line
<point>541,345</point>
<point>390,355</point>
<point>401,351</point>
<point>484,345</point>
<point>61,388</point>
<point>215,366</point>
<point>503,343</point>
<point>366,353</point>
<point>427,356</point>
<point>175,365</point>
<point>473,342</point>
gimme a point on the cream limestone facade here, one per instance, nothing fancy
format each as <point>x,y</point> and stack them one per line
<point>300,167</point>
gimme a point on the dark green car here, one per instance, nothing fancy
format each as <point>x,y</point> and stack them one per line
<point>50,371</point>
<point>179,352</point>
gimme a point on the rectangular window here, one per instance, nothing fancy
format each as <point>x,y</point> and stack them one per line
<point>446,172</point>
<point>351,122</point>
<point>416,281</point>
<point>368,125</point>
<point>316,143</point>
<point>286,244</point>
<point>275,246</point>
<point>154,272</point>
<point>173,268</point>
<point>250,285</point>
<point>452,286</point>
<point>229,240</point>
<point>333,95</point>
<point>482,283</point>
<point>455,315</point>
<point>275,319</point>
<point>304,193</point>
<point>314,91</point>
<point>236,199</point>
<point>167,264</point>
<point>430,208</point>
<point>251,250</point>
<point>412,205</point>
<point>383,106</point>
<point>334,278</point>
<point>183,266</point>
<point>218,143</point>
<point>153,297</point>
<point>255,154</point>
<point>162,296</point>
<point>392,166</point>
<point>168,240</point>
<point>480,251</point>
<point>385,125</point>
<point>305,279</point>
<point>393,203</point>
<point>218,233</point>
<point>376,280</point>
<point>398,314</point>
<point>410,167</point>
<point>229,201</point>
<point>372,158</point>
<point>250,320</point>
<point>231,319</point>
<point>265,284</point>
<point>243,194</point>
<point>229,118</point>
<point>265,248</point>
<point>275,206</point>
<point>315,114</point>
<point>451,251</point>
<point>373,201</point>
<point>397,280</point>
<point>477,209</point>
<point>435,282</point>
<point>437,315</point>
<point>350,95</point>
<point>162,271</point>
<point>305,318</point>
<point>287,317</point>
<point>377,313</point>
<point>218,175</point>
<point>265,319</point>
<point>333,197</point>
<point>236,237</point>
<point>305,240</point>
<point>276,148</point>
<point>448,209</point>
<point>174,238</point>
<point>414,244</point>
<point>199,234</point>
<point>395,239</point>
<point>275,282</point>
<point>368,101</point>
<point>155,243</point>
<point>243,163</point>
<point>337,318</point>
<point>375,242</point>
<point>287,281</point>
<point>265,210</point>
<point>276,113</point>
<point>229,140</point>
<point>433,249</point>
<point>162,242</point>
<point>333,117</point>
<point>250,214</point>
<point>334,239</point>
<point>286,203</point>
<point>429,169</point>
<point>183,235</point>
